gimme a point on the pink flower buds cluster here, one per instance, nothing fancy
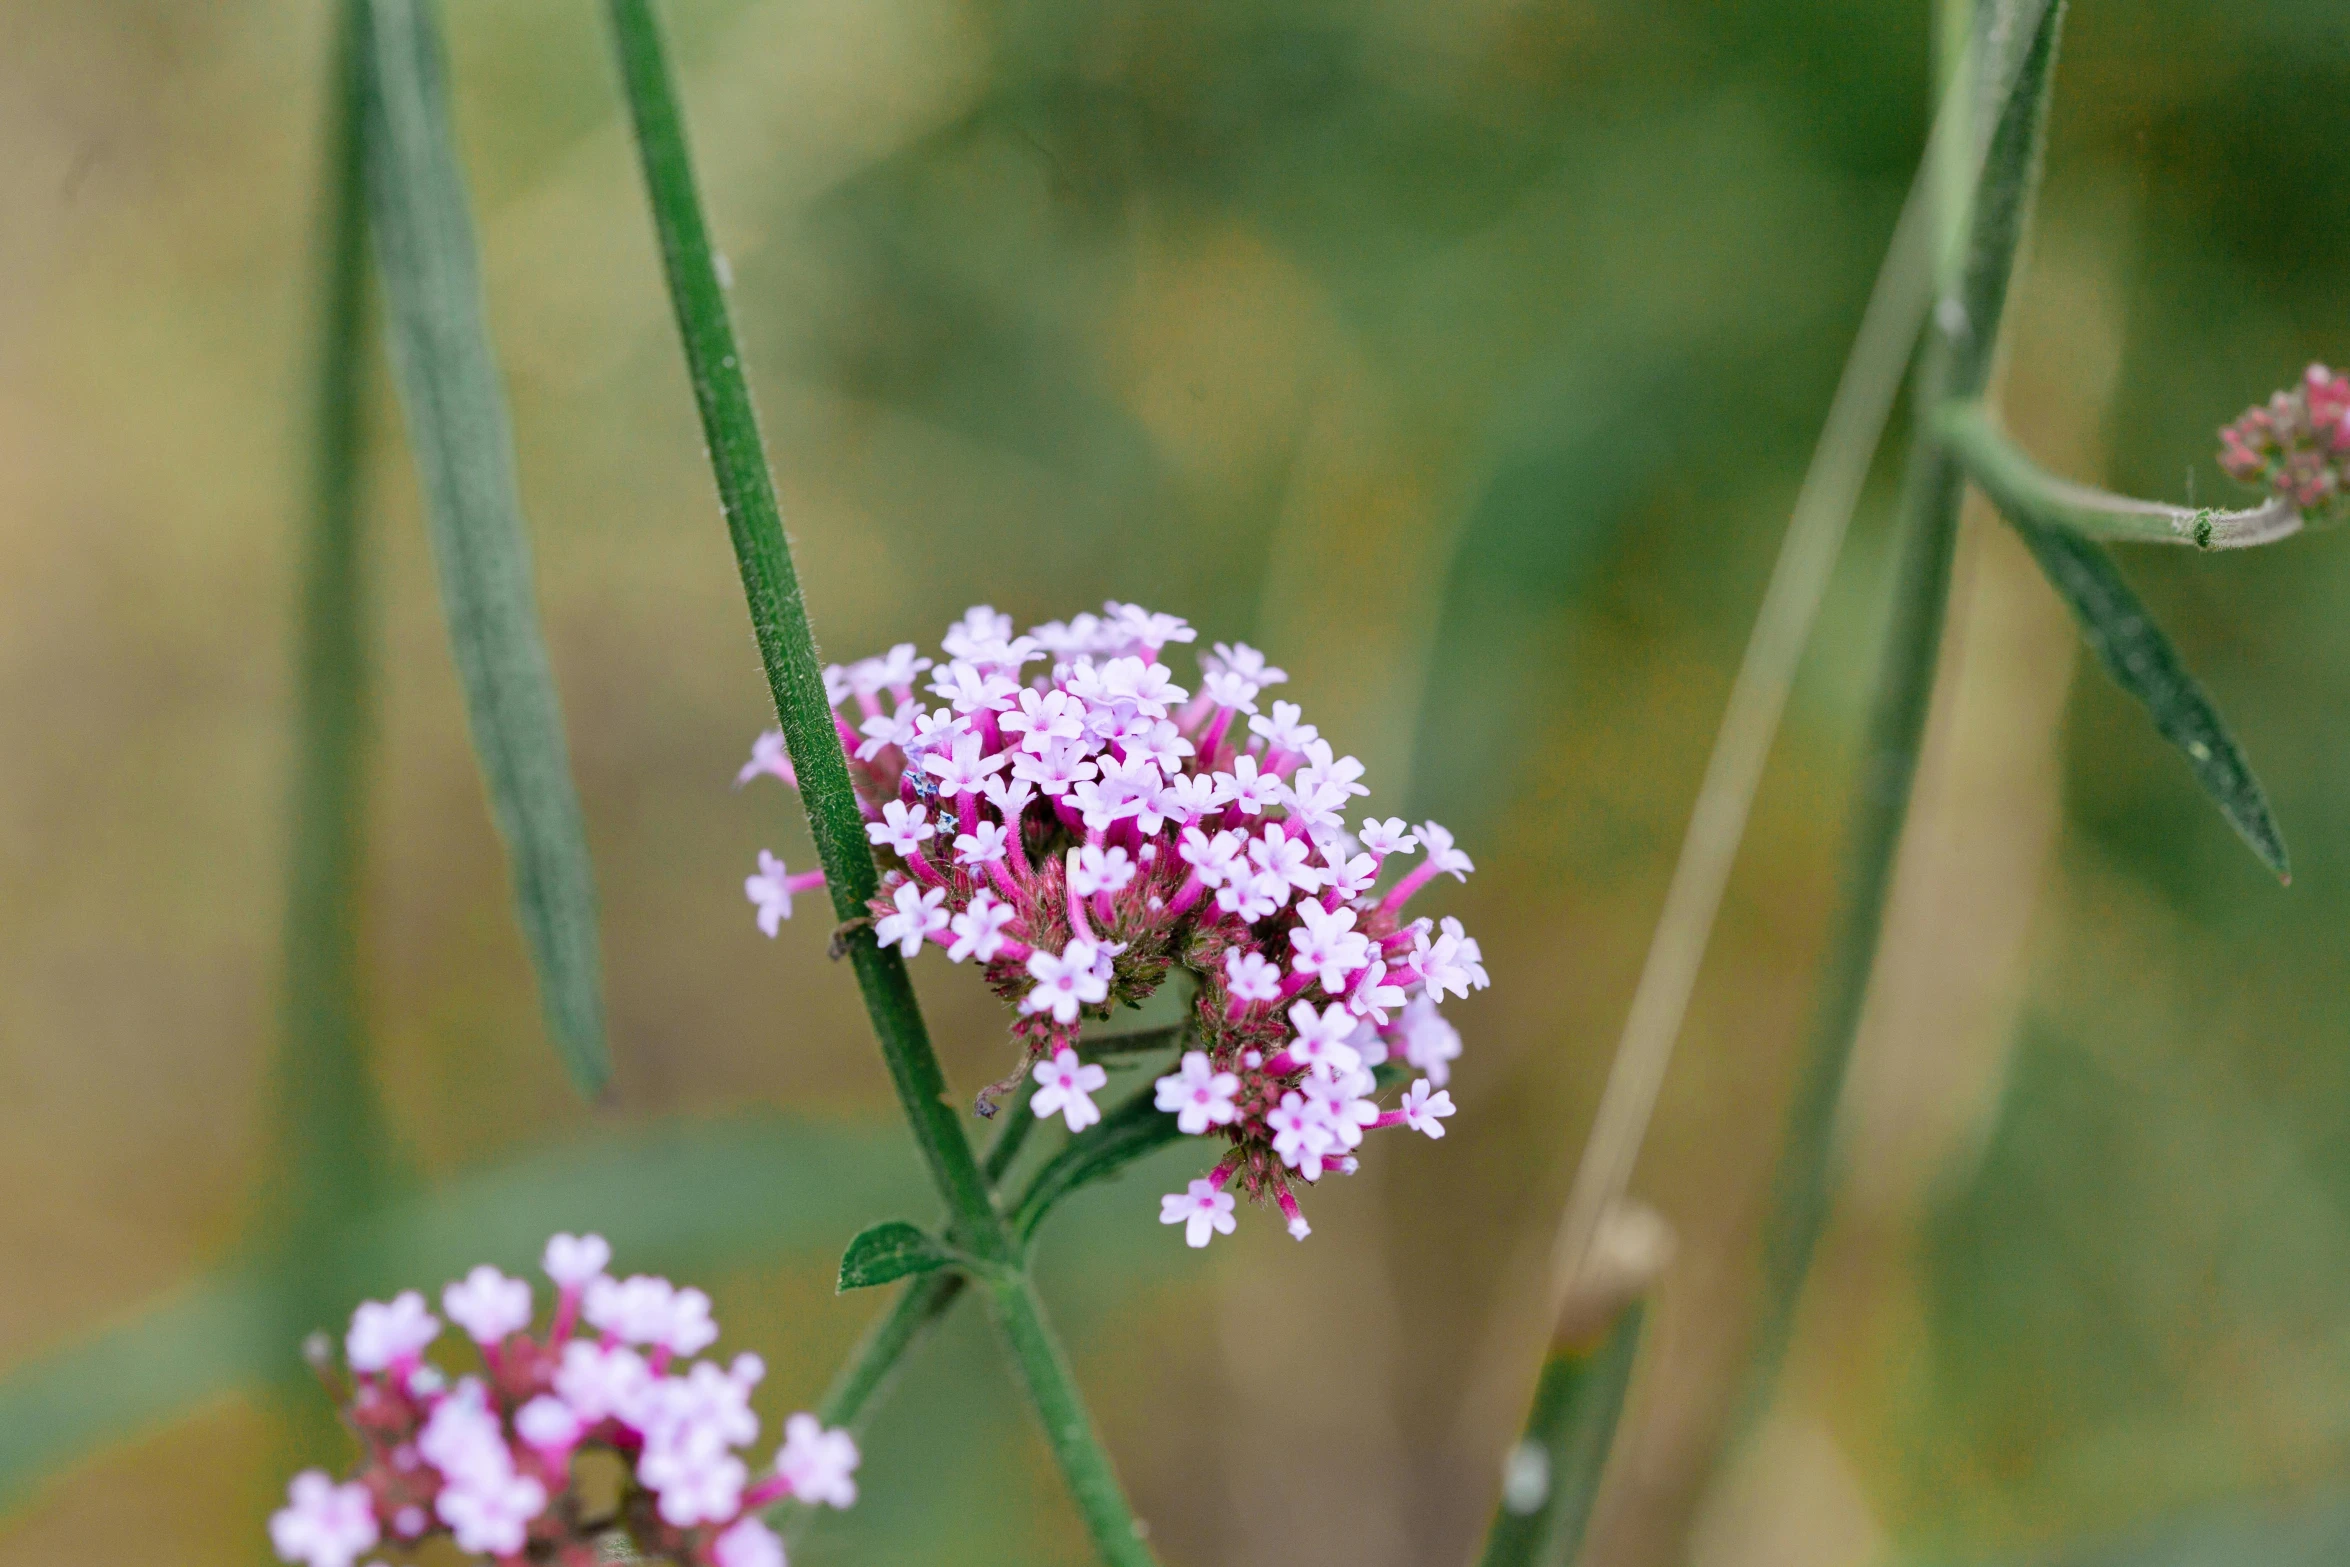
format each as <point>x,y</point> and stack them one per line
<point>489,1460</point>
<point>1081,828</point>
<point>2297,446</point>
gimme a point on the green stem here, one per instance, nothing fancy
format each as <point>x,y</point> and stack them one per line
<point>787,648</point>
<point>2020,487</point>
<point>1554,1472</point>
<point>1956,367</point>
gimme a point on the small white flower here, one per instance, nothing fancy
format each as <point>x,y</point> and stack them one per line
<point>634,1310</point>
<point>602,1383</point>
<point>1372,997</point>
<point>979,929</point>
<point>573,1260</point>
<point>549,1424</point>
<point>919,914</point>
<point>767,756</point>
<point>1211,858</point>
<point>1009,796</point>
<point>1066,1085</point>
<point>1321,1045</point>
<point>818,1463</point>
<point>1430,1044</point>
<point>769,893</point>
<point>1065,981</point>
<point>488,1305</point>
<point>324,1524</point>
<point>1251,976</point>
<point>1423,1111</point>
<point>1093,869</point>
<point>1199,1095</point>
<point>1442,854</point>
<point>1452,962</point>
<point>1278,854</point>
<point>1226,688</point>
<point>963,770</point>
<point>1281,728</point>
<point>1201,1210</point>
<point>687,1329</point>
<point>903,828</point>
<point>1387,837</point>
<point>1328,946</point>
<point>747,1543</point>
<point>492,1518</point>
<point>385,1334</point>
<point>899,730</point>
<point>984,844</point>
<point>1245,786</point>
<point>1245,661</point>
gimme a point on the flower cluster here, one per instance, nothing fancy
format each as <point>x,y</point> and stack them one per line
<point>1080,829</point>
<point>489,1459</point>
<point>2297,446</point>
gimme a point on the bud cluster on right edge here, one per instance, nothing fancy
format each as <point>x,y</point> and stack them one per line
<point>2297,446</point>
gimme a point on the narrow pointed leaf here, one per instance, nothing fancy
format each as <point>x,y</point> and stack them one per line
<point>887,1252</point>
<point>2141,659</point>
<point>458,429</point>
<point>1552,1475</point>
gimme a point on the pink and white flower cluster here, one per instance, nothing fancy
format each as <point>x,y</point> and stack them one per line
<point>2297,446</point>
<point>489,1460</point>
<point>1078,825</point>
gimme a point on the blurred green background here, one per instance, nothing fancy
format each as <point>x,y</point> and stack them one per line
<point>1465,356</point>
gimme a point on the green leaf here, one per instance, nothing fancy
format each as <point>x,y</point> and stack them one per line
<point>671,1197</point>
<point>889,1251</point>
<point>1552,1476</point>
<point>2141,659</point>
<point>1136,1128</point>
<point>457,426</point>
<point>333,1150</point>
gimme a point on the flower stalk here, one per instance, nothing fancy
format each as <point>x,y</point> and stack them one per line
<point>2023,489</point>
<point>787,649</point>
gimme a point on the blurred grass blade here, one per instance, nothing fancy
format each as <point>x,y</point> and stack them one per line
<point>674,1197</point>
<point>457,427</point>
<point>2142,661</point>
<point>2021,488</point>
<point>200,1343</point>
<point>2011,68</point>
<point>1552,1476</point>
<point>333,1159</point>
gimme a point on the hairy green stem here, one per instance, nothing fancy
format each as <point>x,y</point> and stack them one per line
<point>2019,487</point>
<point>1956,367</point>
<point>787,648</point>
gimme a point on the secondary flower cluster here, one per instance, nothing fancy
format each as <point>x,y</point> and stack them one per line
<point>489,1460</point>
<point>2297,446</point>
<point>1080,829</point>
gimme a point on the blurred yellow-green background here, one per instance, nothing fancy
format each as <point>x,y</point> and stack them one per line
<point>1465,356</point>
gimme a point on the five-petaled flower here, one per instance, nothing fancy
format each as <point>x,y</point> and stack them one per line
<point>1198,1094</point>
<point>1065,1086</point>
<point>1201,1209</point>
